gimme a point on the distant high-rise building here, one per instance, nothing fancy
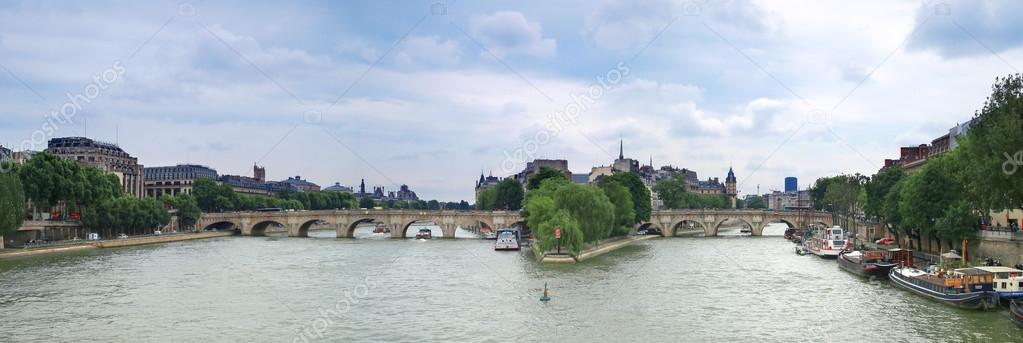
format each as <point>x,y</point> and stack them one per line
<point>791,184</point>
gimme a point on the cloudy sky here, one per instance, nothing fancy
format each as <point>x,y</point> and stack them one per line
<point>430,93</point>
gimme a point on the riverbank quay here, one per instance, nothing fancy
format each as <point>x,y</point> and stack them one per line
<point>588,252</point>
<point>112,243</point>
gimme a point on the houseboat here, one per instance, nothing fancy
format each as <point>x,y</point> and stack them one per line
<point>828,242</point>
<point>874,263</point>
<point>967,288</point>
<point>1008,282</point>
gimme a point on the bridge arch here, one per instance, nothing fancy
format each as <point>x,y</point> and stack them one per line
<point>687,226</point>
<point>780,220</point>
<point>259,228</point>
<point>222,225</point>
<point>303,230</point>
<point>717,225</point>
<point>404,228</point>
<point>355,223</point>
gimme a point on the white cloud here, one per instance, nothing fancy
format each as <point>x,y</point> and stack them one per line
<point>428,52</point>
<point>509,33</point>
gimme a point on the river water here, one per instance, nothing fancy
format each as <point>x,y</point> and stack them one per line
<point>273,289</point>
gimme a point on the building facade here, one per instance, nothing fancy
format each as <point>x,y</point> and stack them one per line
<point>534,167</point>
<point>298,184</point>
<point>338,188</point>
<point>105,156</point>
<point>175,180</point>
<point>486,182</point>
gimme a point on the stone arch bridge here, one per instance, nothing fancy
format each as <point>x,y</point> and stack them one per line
<point>344,222</point>
<point>672,222</point>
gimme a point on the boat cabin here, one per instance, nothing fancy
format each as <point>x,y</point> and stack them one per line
<point>973,279</point>
<point>1006,279</point>
<point>901,256</point>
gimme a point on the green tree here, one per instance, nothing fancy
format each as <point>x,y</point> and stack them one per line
<point>640,194</point>
<point>877,189</point>
<point>48,179</point>
<point>755,201</point>
<point>624,210</point>
<point>892,213</point>
<point>993,147</point>
<point>925,197</point>
<point>12,202</point>
<point>590,207</point>
<point>509,195</point>
<point>486,199</point>
<point>544,174</point>
<point>366,202</point>
<point>188,209</point>
<point>672,192</point>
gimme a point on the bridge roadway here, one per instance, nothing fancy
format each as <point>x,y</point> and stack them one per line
<point>344,222</point>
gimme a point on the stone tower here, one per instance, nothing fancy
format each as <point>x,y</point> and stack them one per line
<point>730,186</point>
<point>258,173</point>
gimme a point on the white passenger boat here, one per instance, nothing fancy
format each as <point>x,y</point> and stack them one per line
<point>507,239</point>
<point>828,242</point>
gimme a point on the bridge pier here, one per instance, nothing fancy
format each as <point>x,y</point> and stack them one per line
<point>341,230</point>
<point>710,229</point>
<point>448,230</point>
<point>757,229</point>
<point>397,230</point>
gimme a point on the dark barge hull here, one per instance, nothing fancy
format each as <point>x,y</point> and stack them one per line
<point>981,300</point>
<point>879,270</point>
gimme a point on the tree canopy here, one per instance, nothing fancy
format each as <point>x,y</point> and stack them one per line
<point>545,173</point>
<point>508,195</point>
<point>640,194</point>
<point>12,202</point>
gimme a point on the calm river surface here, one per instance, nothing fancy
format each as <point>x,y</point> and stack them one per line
<point>265,289</point>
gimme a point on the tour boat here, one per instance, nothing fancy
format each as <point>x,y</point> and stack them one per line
<point>967,288</point>
<point>506,240</point>
<point>827,243</point>
<point>1016,311</point>
<point>425,233</point>
<point>1008,282</point>
<point>866,263</point>
<point>489,235</point>
<point>381,228</point>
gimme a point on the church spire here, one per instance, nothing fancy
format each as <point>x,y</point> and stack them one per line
<point>621,149</point>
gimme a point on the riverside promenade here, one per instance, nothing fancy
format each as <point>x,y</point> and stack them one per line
<point>110,243</point>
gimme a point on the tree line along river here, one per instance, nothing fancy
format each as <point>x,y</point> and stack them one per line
<point>277,289</point>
